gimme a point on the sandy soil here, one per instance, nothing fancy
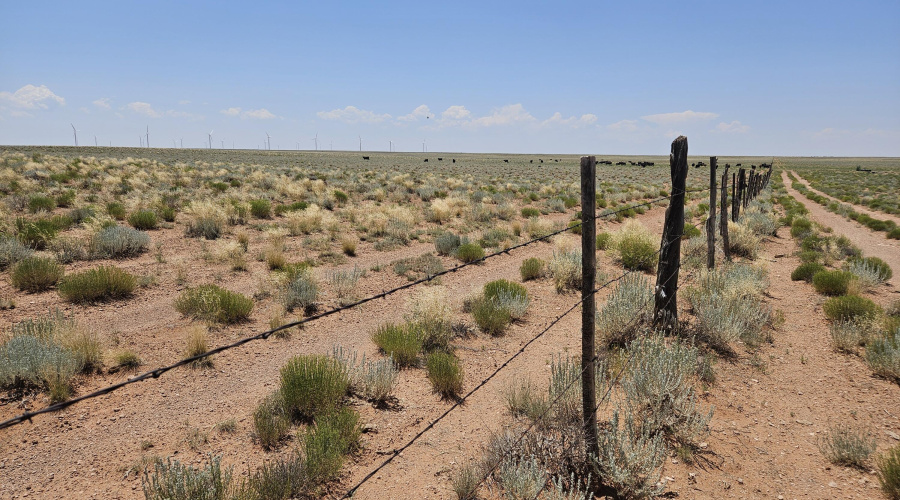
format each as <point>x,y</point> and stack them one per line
<point>769,410</point>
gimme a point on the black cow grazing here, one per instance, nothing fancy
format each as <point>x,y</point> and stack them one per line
<point>557,161</point>
<point>620,163</point>
<point>542,161</point>
<point>737,165</point>
<point>440,159</point>
<point>426,160</point>
<point>365,157</point>
<point>727,165</point>
<point>530,161</point>
<point>505,161</point>
<point>454,160</point>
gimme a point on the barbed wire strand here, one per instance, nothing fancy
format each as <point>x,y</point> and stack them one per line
<point>156,373</point>
<point>521,350</point>
<point>550,406</point>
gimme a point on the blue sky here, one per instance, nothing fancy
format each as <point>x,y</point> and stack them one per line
<point>763,78</point>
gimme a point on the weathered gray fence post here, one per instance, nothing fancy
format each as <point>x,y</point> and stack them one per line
<point>711,221</point>
<point>588,302</point>
<point>723,224</point>
<point>734,197</point>
<point>666,303</point>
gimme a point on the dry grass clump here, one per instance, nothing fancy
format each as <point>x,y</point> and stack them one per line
<point>46,353</point>
<point>313,386</point>
<point>196,344</point>
<point>565,269</point>
<point>36,274</point>
<point>889,473</point>
<point>215,304</point>
<point>847,445</point>
<point>117,242</point>
<point>626,311</point>
<point>635,246</point>
<point>310,220</point>
<point>205,220</point>
<point>742,240</point>
<point>373,380</point>
<point>98,284</point>
<point>445,373</point>
<point>299,289</point>
<point>11,251</point>
<point>883,355</point>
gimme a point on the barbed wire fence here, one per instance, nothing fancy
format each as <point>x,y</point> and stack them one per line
<point>678,193</point>
<point>157,372</point>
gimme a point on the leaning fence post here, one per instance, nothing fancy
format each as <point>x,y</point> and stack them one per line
<point>711,220</point>
<point>666,304</point>
<point>588,303</point>
<point>723,223</point>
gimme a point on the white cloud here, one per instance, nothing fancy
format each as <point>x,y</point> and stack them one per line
<point>258,114</point>
<point>31,97</point>
<point>572,121</point>
<point>684,116</point>
<point>420,112</point>
<point>143,108</point>
<point>506,115</point>
<point>249,114</point>
<point>103,102</point>
<point>456,113</point>
<point>184,102</point>
<point>352,114</point>
<point>734,127</point>
<point>623,126</point>
<point>146,109</point>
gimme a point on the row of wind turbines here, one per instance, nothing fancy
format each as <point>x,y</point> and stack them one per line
<point>144,141</point>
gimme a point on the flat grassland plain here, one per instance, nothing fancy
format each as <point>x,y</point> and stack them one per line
<point>119,260</point>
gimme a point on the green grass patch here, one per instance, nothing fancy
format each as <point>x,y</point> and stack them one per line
<point>99,284</point>
<point>213,303</point>
<point>848,307</point>
<point>36,274</point>
<point>313,385</point>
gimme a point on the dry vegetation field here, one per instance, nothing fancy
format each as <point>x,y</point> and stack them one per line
<point>782,381</point>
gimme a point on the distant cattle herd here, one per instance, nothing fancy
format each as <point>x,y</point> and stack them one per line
<point>633,163</point>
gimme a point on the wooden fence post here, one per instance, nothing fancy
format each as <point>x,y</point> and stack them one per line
<point>711,220</point>
<point>588,304</point>
<point>666,303</point>
<point>734,197</point>
<point>723,224</point>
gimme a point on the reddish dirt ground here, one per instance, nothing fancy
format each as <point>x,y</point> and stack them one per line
<point>768,412</point>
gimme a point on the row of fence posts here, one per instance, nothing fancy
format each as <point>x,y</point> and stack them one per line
<point>745,187</point>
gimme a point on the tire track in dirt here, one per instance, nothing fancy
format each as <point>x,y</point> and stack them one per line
<point>861,209</point>
<point>770,411</point>
<point>871,243</point>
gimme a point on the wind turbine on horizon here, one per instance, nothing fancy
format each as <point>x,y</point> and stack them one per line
<point>360,143</point>
<point>75,133</point>
<point>95,141</point>
<point>148,136</point>
<point>268,142</point>
<point>424,149</point>
<point>390,146</point>
<point>210,138</point>
<point>316,140</point>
